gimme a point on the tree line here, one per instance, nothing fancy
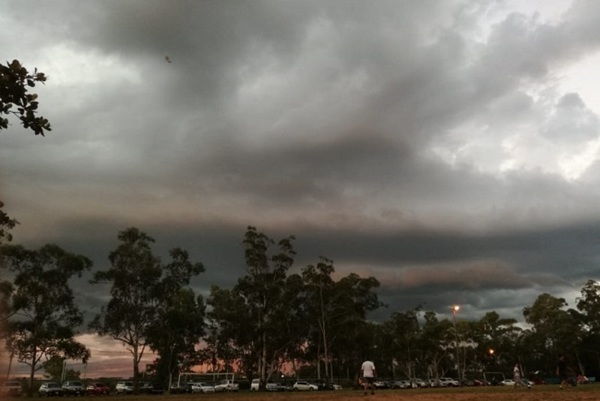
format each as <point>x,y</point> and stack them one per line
<point>271,319</point>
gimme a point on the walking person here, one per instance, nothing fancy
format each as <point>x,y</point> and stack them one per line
<point>368,375</point>
<point>517,375</point>
<point>561,371</point>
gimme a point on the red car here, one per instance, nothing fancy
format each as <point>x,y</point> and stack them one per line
<point>97,389</point>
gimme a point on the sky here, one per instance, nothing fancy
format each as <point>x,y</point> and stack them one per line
<point>451,149</point>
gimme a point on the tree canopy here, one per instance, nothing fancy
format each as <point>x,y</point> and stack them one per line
<point>15,99</point>
<point>41,304</point>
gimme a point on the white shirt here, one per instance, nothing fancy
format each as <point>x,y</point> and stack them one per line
<point>368,369</point>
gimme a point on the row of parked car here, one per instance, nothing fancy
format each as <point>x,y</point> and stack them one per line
<point>300,385</point>
<point>416,383</point>
<point>203,387</point>
<point>445,382</point>
<point>77,388</point>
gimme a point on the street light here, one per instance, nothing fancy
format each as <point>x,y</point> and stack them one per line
<point>455,309</point>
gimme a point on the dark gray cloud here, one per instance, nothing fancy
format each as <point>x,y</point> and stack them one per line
<point>444,147</point>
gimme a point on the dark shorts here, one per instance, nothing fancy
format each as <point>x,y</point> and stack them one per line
<point>368,380</point>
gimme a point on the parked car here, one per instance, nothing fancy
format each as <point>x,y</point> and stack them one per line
<point>73,388</point>
<point>184,388</point>
<point>50,389</point>
<point>380,384</point>
<point>401,384</point>
<point>11,388</point>
<point>149,388</point>
<point>323,386</point>
<point>270,386</point>
<point>420,383</point>
<point>471,382</point>
<point>97,389</point>
<point>201,387</point>
<point>448,382</point>
<point>277,387</point>
<point>227,385</point>
<point>507,382</point>
<point>303,385</point>
<point>124,387</point>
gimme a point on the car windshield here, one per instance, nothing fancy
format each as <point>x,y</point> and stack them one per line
<point>53,385</point>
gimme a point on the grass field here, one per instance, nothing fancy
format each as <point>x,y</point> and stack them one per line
<point>540,393</point>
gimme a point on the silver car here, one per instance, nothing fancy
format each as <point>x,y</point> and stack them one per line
<point>73,388</point>
<point>50,389</point>
<point>202,388</point>
<point>304,386</point>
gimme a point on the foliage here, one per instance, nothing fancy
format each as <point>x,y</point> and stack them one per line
<point>180,322</point>
<point>555,329</point>
<point>589,304</point>
<point>6,224</point>
<point>15,82</point>
<point>150,305</point>
<point>43,313</point>
<point>250,317</point>
<point>334,308</point>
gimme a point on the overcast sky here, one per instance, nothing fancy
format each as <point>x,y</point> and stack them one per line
<point>449,148</point>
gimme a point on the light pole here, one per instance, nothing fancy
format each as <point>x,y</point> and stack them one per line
<point>455,309</point>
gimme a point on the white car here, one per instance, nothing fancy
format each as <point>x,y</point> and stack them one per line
<point>420,383</point>
<point>50,389</point>
<point>227,385</point>
<point>448,382</point>
<point>507,382</point>
<point>401,384</point>
<point>124,387</point>
<point>270,386</point>
<point>202,388</point>
<point>304,386</point>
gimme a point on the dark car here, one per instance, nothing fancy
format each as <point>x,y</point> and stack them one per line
<point>97,389</point>
<point>11,388</point>
<point>324,385</point>
<point>184,388</point>
<point>149,388</point>
<point>276,387</point>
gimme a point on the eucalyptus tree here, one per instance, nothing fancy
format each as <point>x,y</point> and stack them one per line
<point>335,309</point>
<point>231,331</point>
<point>404,329</point>
<point>554,330</point>
<point>435,340</point>
<point>43,314</point>
<point>145,297</point>
<point>179,325</point>
<point>589,306</point>
<point>324,311</point>
<point>495,341</point>
<point>259,304</point>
